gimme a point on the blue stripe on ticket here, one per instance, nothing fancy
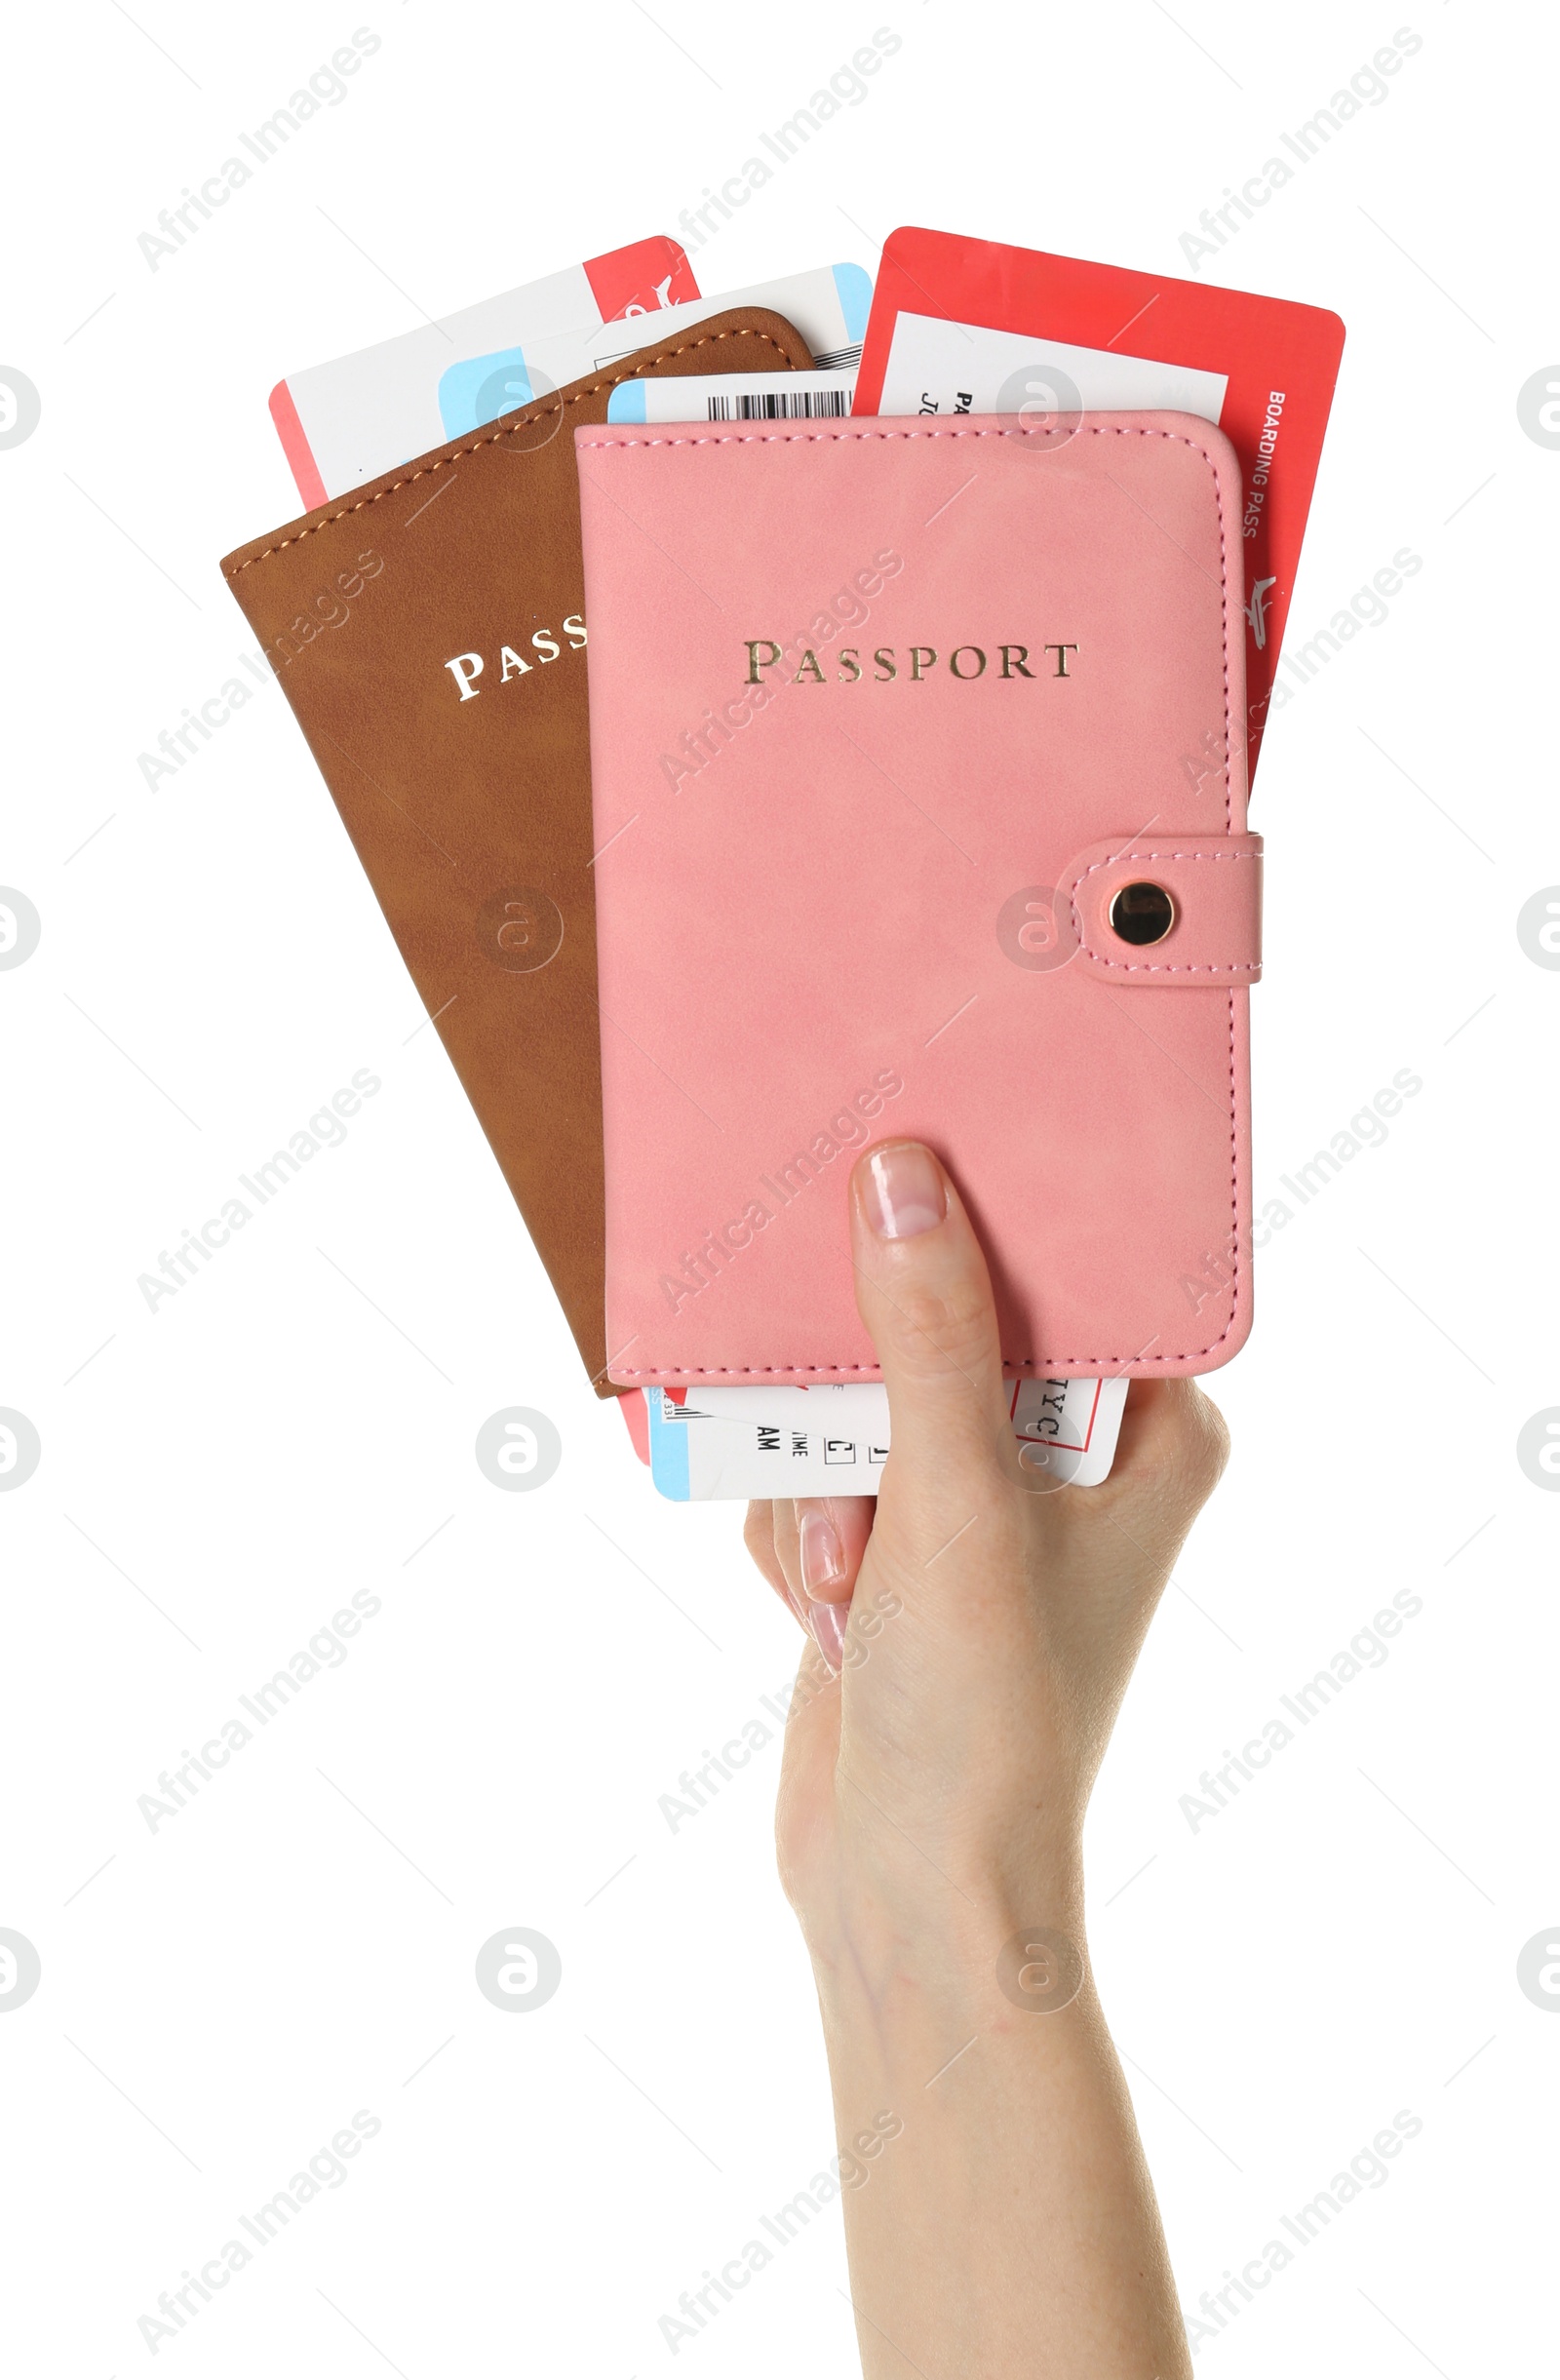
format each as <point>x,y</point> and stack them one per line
<point>482,388</point>
<point>668,1450</point>
<point>854,289</point>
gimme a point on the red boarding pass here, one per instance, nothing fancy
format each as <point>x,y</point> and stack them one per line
<point>961,326</point>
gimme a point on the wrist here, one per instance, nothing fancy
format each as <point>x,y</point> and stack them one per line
<point>908,1968</point>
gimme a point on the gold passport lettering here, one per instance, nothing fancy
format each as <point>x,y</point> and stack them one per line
<point>964,662</point>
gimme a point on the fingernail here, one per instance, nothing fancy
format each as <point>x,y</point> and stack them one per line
<point>903,1193</point>
<point>823,1557</point>
<point>827,1623</point>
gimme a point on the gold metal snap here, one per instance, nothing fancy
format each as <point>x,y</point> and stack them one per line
<point>1141,913</point>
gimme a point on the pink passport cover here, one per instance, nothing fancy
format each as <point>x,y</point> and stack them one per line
<point>839,907</point>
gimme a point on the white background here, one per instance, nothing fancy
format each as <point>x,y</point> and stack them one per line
<point>222,1996</point>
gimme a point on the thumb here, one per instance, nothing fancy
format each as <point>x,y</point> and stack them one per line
<point>924,1293</point>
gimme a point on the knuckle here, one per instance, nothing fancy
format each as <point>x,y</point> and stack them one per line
<point>1199,1446</point>
<point>1208,1448</point>
<point>936,1328</point>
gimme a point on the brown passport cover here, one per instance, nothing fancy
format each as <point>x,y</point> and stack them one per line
<point>471,811</point>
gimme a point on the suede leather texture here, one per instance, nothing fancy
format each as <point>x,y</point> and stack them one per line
<point>466,794</point>
<point>839,905</point>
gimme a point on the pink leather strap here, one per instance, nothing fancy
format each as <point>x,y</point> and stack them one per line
<point>1216,884</point>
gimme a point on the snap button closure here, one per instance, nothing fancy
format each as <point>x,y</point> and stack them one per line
<point>1141,913</point>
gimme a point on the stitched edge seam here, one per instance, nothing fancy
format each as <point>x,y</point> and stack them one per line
<point>523,421</point>
<point>834,436</point>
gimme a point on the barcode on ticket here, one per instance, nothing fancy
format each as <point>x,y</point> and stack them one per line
<point>818,395</point>
<point>783,405</point>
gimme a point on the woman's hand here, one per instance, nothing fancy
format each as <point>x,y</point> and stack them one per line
<point>975,1631</point>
